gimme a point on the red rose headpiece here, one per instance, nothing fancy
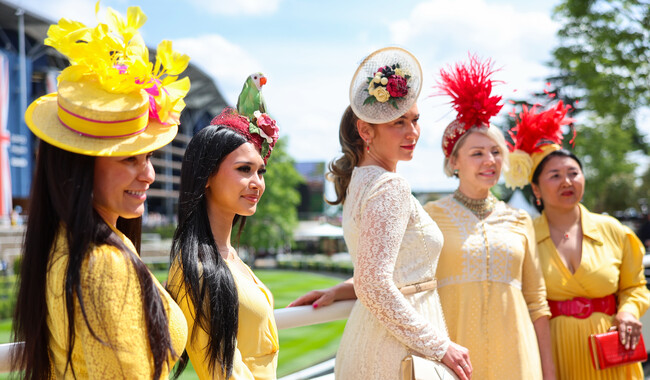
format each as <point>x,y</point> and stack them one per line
<point>261,132</point>
<point>470,87</point>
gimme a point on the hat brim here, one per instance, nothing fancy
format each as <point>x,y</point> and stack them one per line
<point>378,113</point>
<point>41,118</point>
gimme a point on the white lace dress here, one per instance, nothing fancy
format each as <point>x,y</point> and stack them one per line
<point>393,243</point>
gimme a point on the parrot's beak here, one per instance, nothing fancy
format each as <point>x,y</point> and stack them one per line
<point>262,81</point>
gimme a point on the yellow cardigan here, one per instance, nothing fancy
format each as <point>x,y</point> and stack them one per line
<point>113,304</point>
<point>256,355</point>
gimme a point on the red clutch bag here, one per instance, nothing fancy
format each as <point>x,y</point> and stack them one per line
<point>607,351</point>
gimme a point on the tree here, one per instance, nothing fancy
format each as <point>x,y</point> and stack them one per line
<point>272,225</point>
<point>603,60</point>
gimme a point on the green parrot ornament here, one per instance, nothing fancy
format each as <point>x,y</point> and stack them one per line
<point>250,98</point>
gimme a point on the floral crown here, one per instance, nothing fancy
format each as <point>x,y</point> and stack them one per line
<point>262,131</point>
<point>535,135</point>
<point>389,84</point>
<point>470,87</point>
<point>114,55</point>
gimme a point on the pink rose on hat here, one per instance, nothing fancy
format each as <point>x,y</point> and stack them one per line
<point>268,127</point>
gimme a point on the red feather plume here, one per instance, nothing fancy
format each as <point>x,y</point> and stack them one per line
<point>535,129</point>
<point>470,87</point>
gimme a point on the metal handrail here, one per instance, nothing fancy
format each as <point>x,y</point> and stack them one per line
<point>286,318</point>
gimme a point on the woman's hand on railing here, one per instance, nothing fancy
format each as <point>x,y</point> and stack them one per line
<point>324,297</point>
<point>457,359</point>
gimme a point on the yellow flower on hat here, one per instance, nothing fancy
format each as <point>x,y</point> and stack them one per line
<point>519,167</point>
<point>135,18</point>
<point>381,94</point>
<point>115,56</point>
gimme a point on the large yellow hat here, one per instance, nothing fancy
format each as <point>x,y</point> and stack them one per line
<point>111,101</point>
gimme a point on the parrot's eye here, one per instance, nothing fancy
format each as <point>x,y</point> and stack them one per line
<point>255,77</point>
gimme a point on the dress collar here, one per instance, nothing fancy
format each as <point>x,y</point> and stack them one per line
<point>589,226</point>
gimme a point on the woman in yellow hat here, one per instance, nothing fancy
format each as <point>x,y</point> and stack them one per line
<point>87,306</point>
<point>592,264</point>
<point>228,309</point>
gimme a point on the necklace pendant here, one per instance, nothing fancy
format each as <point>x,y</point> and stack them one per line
<point>566,236</point>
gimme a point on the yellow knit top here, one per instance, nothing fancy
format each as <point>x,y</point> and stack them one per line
<point>113,304</point>
<point>256,355</point>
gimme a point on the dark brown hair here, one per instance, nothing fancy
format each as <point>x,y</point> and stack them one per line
<point>340,170</point>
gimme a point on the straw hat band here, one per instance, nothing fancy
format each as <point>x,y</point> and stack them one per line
<point>101,128</point>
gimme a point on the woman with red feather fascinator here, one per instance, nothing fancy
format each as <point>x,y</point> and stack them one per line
<point>592,264</point>
<point>228,309</point>
<point>491,287</point>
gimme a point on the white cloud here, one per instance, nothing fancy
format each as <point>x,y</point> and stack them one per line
<point>238,7</point>
<point>226,62</point>
<point>442,32</point>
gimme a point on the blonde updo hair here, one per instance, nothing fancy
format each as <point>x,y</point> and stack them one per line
<point>494,133</point>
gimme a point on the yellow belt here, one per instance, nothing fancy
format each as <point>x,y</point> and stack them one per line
<point>419,287</point>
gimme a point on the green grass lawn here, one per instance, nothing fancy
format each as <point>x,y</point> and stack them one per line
<point>300,347</point>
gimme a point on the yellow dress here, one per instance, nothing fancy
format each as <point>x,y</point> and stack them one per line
<point>256,356</point>
<point>491,288</point>
<point>611,264</point>
<point>113,304</point>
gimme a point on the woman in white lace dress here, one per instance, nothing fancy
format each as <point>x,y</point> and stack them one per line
<point>394,244</point>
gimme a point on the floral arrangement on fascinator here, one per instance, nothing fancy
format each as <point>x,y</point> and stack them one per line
<point>259,128</point>
<point>470,87</point>
<point>386,84</point>
<point>535,135</point>
<point>111,100</point>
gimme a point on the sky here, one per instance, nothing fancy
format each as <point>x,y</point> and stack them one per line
<point>309,50</point>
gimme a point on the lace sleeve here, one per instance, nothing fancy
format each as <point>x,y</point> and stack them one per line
<point>382,224</point>
<point>117,347</point>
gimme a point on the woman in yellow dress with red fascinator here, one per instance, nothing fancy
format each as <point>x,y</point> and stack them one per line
<point>88,307</point>
<point>229,311</point>
<point>491,287</point>
<point>592,263</point>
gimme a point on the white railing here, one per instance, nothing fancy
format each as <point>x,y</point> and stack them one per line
<point>287,318</point>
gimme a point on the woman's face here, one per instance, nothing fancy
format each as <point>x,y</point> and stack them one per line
<point>478,161</point>
<point>561,183</point>
<point>120,185</point>
<point>238,185</point>
<point>395,141</point>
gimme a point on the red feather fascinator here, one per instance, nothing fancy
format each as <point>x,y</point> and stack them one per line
<point>535,129</point>
<point>470,87</point>
<point>535,136</point>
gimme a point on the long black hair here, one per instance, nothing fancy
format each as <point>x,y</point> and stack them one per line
<point>538,170</point>
<point>62,196</point>
<point>208,280</point>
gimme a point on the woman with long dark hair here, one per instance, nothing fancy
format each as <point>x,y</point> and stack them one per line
<point>87,306</point>
<point>592,264</point>
<point>228,309</point>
